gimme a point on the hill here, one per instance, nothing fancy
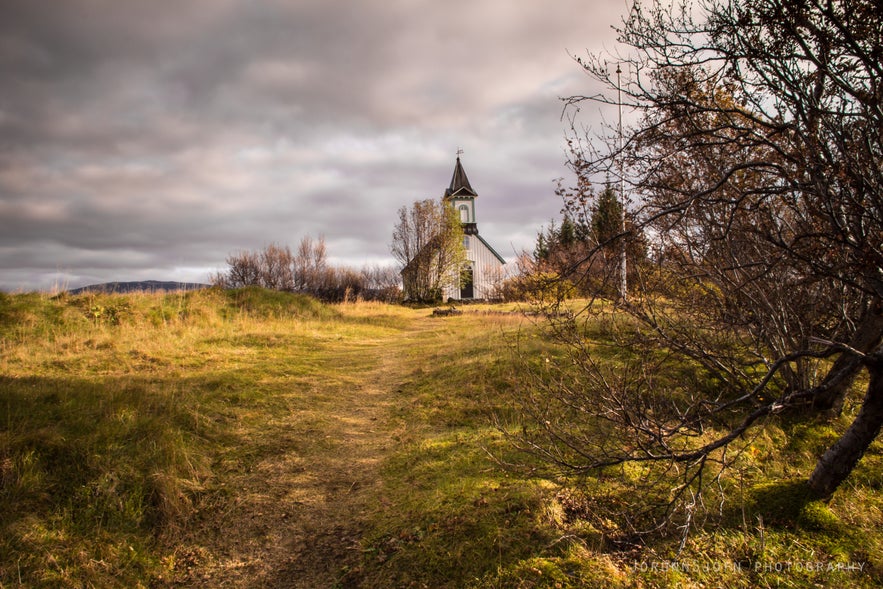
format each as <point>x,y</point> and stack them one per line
<point>139,286</point>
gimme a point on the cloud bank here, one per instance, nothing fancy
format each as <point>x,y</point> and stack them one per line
<point>149,139</point>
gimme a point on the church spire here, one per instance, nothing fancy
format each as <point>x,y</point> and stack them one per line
<point>459,182</point>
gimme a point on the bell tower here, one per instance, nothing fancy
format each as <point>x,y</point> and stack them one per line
<point>461,196</point>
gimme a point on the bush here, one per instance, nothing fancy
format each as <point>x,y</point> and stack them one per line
<point>540,287</point>
<point>307,272</point>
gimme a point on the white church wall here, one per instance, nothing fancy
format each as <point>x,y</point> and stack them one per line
<point>486,271</point>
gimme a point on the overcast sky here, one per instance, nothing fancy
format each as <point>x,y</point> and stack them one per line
<point>149,139</point>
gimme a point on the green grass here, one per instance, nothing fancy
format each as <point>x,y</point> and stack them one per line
<point>250,438</point>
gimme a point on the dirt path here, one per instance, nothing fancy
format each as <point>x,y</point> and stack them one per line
<point>296,517</point>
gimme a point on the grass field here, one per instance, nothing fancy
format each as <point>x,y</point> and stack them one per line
<point>257,439</point>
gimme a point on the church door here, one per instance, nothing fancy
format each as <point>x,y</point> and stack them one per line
<point>466,284</point>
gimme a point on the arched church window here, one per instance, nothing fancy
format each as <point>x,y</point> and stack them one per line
<point>464,214</point>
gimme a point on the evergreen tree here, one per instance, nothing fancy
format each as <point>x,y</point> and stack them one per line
<point>607,217</point>
<point>567,233</point>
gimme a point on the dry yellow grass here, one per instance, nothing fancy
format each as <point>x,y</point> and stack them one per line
<point>251,438</point>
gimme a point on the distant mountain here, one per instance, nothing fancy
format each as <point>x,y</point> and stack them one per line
<point>140,286</point>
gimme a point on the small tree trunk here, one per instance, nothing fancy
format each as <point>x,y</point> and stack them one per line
<point>839,460</point>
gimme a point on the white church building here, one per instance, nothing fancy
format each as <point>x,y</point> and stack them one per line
<point>484,270</point>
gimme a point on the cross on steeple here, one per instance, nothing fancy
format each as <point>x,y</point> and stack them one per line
<point>459,152</point>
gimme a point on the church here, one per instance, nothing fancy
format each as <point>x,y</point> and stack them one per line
<point>484,270</point>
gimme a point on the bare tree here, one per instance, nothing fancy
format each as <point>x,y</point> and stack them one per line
<point>310,265</point>
<point>276,267</point>
<point>271,267</point>
<point>307,271</point>
<point>244,270</point>
<point>428,244</point>
<point>382,283</point>
<point>756,168</point>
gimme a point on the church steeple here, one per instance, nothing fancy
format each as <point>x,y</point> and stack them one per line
<point>459,182</point>
<point>461,196</point>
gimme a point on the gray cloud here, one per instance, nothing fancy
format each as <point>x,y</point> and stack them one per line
<point>150,139</point>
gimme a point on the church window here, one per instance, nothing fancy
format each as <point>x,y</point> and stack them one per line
<point>464,214</point>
